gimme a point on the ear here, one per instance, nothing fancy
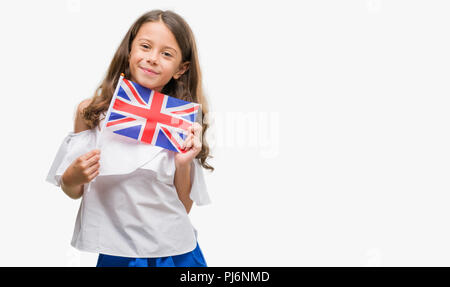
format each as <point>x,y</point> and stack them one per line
<point>181,70</point>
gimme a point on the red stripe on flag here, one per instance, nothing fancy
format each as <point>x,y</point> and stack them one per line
<point>119,122</point>
<point>138,98</point>
<point>152,113</point>
<point>186,111</point>
<point>173,140</point>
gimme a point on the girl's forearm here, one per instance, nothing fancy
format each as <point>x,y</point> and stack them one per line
<point>73,192</point>
<point>182,184</point>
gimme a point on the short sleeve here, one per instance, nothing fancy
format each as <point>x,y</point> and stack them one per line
<point>199,193</point>
<point>73,146</point>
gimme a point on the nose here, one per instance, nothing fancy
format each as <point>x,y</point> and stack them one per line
<point>152,56</point>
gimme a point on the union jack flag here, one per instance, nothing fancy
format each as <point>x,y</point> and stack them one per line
<point>149,116</point>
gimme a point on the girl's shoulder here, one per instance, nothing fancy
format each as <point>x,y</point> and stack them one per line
<point>79,123</point>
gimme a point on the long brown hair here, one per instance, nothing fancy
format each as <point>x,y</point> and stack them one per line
<point>188,87</point>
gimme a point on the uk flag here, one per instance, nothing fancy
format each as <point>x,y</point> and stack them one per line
<point>149,116</point>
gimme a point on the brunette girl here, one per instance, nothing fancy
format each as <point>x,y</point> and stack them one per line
<point>139,216</point>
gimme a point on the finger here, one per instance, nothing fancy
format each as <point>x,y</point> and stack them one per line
<point>197,129</point>
<point>189,143</point>
<point>92,169</point>
<point>189,137</point>
<point>90,154</point>
<point>94,175</point>
<point>93,160</point>
<point>197,143</point>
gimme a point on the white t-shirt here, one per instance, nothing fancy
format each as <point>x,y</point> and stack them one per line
<point>131,209</point>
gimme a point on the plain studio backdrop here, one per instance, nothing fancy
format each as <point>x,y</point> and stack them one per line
<point>330,127</point>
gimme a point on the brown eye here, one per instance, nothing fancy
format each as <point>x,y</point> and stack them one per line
<point>167,54</point>
<point>145,46</point>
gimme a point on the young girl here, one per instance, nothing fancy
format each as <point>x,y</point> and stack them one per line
<point>139,216</point>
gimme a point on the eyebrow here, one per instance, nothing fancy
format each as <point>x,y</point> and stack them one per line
<point>166,47</point>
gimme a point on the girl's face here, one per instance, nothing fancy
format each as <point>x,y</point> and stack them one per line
<point>155,56</point>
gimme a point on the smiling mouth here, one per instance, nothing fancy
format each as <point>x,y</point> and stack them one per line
<point>148,71</point>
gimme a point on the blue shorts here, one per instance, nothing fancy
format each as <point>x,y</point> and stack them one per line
<point>193,258</point>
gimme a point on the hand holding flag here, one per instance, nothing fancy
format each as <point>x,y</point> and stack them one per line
<point>191,146</point>
<point>151,117</point>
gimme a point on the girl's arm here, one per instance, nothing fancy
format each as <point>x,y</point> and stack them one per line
<point>183,161</point>
<point>182,183</point>
<point>73,192</point>
<point>81,171</point>
<point>84,168</point>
